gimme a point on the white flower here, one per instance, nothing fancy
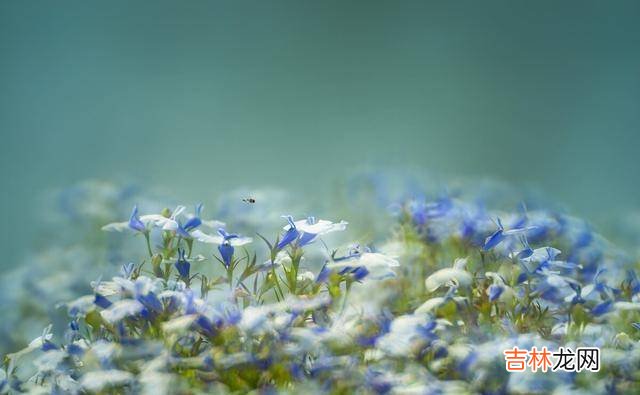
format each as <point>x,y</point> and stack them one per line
<point>448,276</point>
<point>540,255</point>
<point>315,226</point>
<point>405,330</point>
<point>220,239</point>
<point>378,265</point>
<point>434,303</point>
<point>179,324</point>
<point>149,220</point>
<point>35,344</point>
<point>49,361</point>
<point>255,318</point>
<point>306,276</point>
<point>101,379</point>
<point>121,309</point>
<point>81,305</point>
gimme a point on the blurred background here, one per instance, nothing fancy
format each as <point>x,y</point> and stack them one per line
<point>202,97</point>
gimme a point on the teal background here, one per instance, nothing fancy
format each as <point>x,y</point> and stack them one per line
<point>200,97</point>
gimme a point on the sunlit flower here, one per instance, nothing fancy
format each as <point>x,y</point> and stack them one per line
<point>105,379</point>
<point>372,265</point>
<point>144,223</point>
<point>456,275</point>
<point>500,234</point>
<point>225,241</point>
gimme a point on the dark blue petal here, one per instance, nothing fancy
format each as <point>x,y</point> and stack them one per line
<point>182,265</point>
<point>441,352</point>
<point>602,308</point>
<point>577,300</point>
<point>346,270</point>
<point>194,221</point>
<point>428,327</point>
<point>47,345</point>
<point>525,253</point>
<point>288,237</point>
<point>226,251</point>
<point>495,291</point>
<point>205,325</point>
<point>183,268</point>
<point>101,301</point>
<point>493,240</point>
<point>522,277</point>
<point>359,273</point>
<point>151,301</point>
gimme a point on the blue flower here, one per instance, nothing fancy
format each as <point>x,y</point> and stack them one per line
<point>577,297</point>
<point>194,221</point>
<point>494,291</point>
<point>602,308</point>
<point>205,325</point>
<point>226,249</point>
<point>526,251</point>
<point>306,230</point>
<point>221,238</point>
<point>182,265</point>
<point>101,301</point>
<point>146,296</point>
<point>368,264</point>
<point>357,273</point>
<point>225,241</point>
<point>495,238</point>
<point>500,234</point>
<point>290,235</point>
<point>226,252</point>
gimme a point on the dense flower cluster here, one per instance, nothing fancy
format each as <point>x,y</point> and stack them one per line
<point>427,307</point>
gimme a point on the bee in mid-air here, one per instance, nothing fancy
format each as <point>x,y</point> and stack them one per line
<point>249,200</point>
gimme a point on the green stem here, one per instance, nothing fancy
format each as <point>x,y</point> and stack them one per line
<point>230,277</point>
<point>275,276</point>
<point>146,237</point>
<point>346,295</point>
<point>190,246</point>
